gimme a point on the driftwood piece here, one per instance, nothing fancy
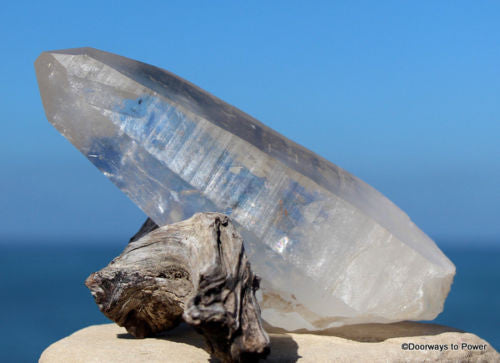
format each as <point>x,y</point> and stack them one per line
<point>195,270</point>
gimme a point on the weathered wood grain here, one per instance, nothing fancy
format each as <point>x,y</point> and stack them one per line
<point>195,270</point>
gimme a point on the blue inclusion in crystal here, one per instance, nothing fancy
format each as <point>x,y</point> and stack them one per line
<point>150,123</point>
<point>252,188</point>
<point>105,154</point>
<point>157,116</point>
<point>136,108</point>
<point>296,197</point>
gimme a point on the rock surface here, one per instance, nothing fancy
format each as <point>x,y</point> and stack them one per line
<point>358,343</point>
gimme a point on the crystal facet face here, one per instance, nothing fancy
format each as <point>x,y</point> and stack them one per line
<point>330,249</point>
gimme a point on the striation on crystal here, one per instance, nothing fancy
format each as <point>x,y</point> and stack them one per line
<point>330,249</point>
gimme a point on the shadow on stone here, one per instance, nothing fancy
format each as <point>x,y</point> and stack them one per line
<point>371,333</point>
<point>183,333</point>
<point>110,343</point>
<point>283,347</point>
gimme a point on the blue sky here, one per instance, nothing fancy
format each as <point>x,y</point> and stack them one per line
<point>402,94</point>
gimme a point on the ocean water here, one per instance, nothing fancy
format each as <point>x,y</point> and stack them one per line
<point>43,297</point>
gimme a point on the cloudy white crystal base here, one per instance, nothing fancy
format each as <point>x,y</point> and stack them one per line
<point>330,249</point>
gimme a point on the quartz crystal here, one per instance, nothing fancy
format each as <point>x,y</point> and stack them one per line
<point>330,249</point>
